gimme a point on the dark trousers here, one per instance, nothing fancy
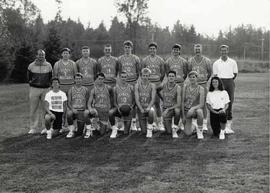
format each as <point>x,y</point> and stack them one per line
<point>215,120</point>
<point>229,86</point>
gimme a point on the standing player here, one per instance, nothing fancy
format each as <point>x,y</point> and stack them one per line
<point>99,105</point>
<point>78,96</point>
<point>177,64</point>
<point>55,105</point>
<point>170,94</point>
<point>226,69</point>
<point>108,65</point>
<point>156,65</point>
<point>193,101</point>
<point>124,102</point>
<point>145,93</point>
<point>202,65</point>
<point>39,74</point>
<point>130,64</point>
<point>87,67</point>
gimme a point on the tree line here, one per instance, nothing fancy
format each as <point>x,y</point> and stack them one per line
<point>23,32</point>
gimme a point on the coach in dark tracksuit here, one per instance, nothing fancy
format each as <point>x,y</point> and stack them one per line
<point>226,69</point>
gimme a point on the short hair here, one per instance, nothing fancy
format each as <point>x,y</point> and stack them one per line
<point>146,70</point>
<point>101,74</point>
<point>177,46</point>
<point>55,79</point>
<point>152,44</point>
<point>40,50</point>
<point>65,49</point>
<point>78,74</point>
<point>85,48</point>
<point>223,46</point>
<point>198,46</point>
<point>193,73</point>
<point>128,43</point>
<point>220,84</point>
<point>171,72</point>
<point>107,45</point>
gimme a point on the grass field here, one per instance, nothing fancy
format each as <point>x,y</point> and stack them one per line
<point>133,164</point>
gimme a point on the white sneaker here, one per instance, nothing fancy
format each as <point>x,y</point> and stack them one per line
<point>199,133</point>
<point>114,132</point>
<point>154,126</point>
<point>49,133</point>
<point>194,124</point>
<point>133,125</point>
<point>63,129</point>
<point>174,131</point>
<point>205,125</point>
<point>149,133</point>
<point>228,128</point>
<point>161,126</point>
<point>32,131</point>
<point>222,134</point>
<point>44,131</point>
<point>71,132</point>
<point>89,131</point>
<point>182,128</point>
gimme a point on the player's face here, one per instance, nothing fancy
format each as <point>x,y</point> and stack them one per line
<point>78,80</point>
<point>123,77</point>
<point>176,51</point>
<point>152,50</point>
<point>100,80</point>
<point>145,76</point>
<point>215,83</point>
<point>65,55</point>
<point>107,51</point>
<point>85,53</point>
<point>193,78</point>
<point>41,55</point>
<point>55,84</point>
<point>198,50</point>
<point>224,52</point>
<point>171,77</point>
<point>127,49</point>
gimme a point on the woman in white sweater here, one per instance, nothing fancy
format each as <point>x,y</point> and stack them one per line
<point>217,101</point>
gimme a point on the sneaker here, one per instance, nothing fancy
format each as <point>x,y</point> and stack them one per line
<point>44,131</point>
<point>199,133</point>
<point>174,131</point>
<point>114,132</point>
<point>49,133</point>
<point>194,124</point>
<point>222,134</point>
<point>228,128</point>
<point>63,129</point>
<point>71,132</point>
<point>89,131</point>
<point>154,126</point>
<point>182,128</point>
<point>205,125</point>
<point>32,131</point>
<point>161,126</point>
<point>149,133</point>
<point>133,125</point>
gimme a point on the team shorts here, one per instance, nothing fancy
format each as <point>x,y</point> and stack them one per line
<point>57,123</point>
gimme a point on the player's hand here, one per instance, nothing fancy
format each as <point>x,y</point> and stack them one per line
<point>148,109</point>
<point>190,113</point>
<point>165,112</point>
<point>221,111</point>
<point>75,111</point>
<point>142,110</point>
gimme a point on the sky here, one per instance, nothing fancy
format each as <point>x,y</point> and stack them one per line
<point>208,16</point>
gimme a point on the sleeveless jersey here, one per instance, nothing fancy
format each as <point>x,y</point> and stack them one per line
<point>124,95</point>
<point>66,72</point>
<point>129,65</point>
<point>154,64</point>
<point>145,95</point>
<point>87,70</point>
<point>102,98</point>
<point>192,97</point>
<point>108,68</point>
<point>178,65</point>
<point>201,68</point>
<point>79,97</point>
<point>169,96</point>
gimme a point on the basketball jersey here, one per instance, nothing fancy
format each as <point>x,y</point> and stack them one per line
<point>87,70</point>
<point>66,72</point>
<point>79,97</point>
<point>102,98</point>
<point>108,68</point>
<point>178,65</point>
<point>154,64</point>
<point>192,97</point>
<point>201,68</point>
<point>124,95</point>
<point>129,65</point>
<point>169,96</point>
<point>145,95</point>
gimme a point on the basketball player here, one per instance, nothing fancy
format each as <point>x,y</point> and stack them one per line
<point>202,65</point>
<point>170,94</point>
<point>193,101</point>
<point>124,102</point>
<point>78,96</point>
<point>145,93</point>
<point>99,105</point>
<point>108,65</point>
<point>156,65</point>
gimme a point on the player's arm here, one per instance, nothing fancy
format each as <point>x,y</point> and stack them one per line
<point>209,69</point>
<point>110,89</point>
<point>202,100</point>
<point>137,99</point>
<point>56,69</point>
<point>159,91</point>
<point>166,67</point>
<point>185,69</point>
<point>183,101</point>
<point>97,69</point>
<point>75,68</point>
<point>162,70</point>
<point>189,66</point>
<point>46,106</point>
<point>153,95</point>
<point>116,67</point>
<point>133,97</point>
<point>235,70</point>
<point>138,67</point>
<point>115,98</point>
<point>69,103</point>
<point>215,70</point>
<point>90,101</point>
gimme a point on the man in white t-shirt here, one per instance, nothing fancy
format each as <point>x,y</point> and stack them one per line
<point>55,105</point>
<point>226,69</point>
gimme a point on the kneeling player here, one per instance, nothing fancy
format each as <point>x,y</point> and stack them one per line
<point>123,104</point>
<point>145,93</point>
<point>99,105</point>
<point>192,105</point>
<point>170,94</point>
<point>55,105</point>
<point>78,96</point>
